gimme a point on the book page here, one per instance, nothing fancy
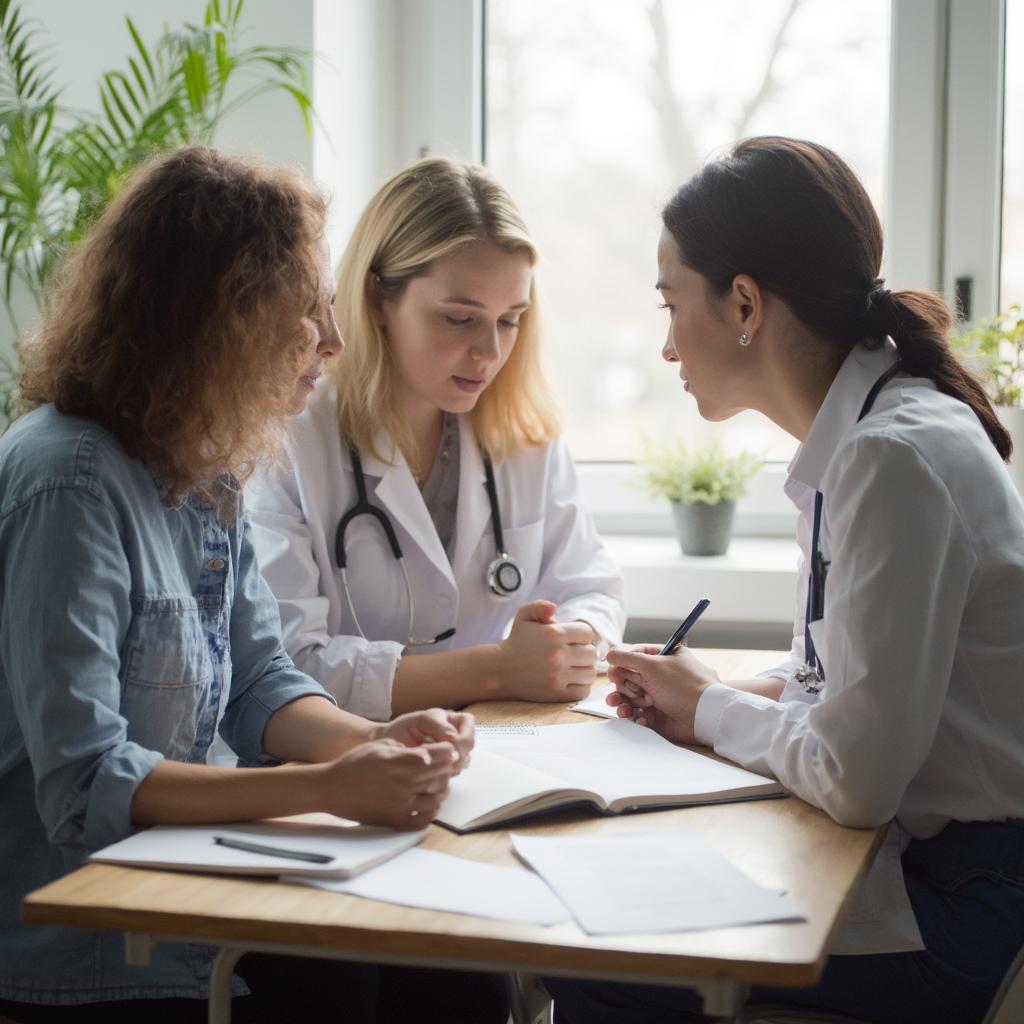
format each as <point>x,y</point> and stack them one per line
<point>492,782</point>
<point>621,760</point>
<point>687,883</point>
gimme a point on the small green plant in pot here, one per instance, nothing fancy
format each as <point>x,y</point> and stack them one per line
<point>995,349</point>
<point>703,485</point>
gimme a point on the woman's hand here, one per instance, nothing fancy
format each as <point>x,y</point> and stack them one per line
<point>383,782</point>
<point>657,691</point>
<point>432,726</point>
<point>544,660</point>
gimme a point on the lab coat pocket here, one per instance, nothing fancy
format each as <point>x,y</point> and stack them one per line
<point>167,675</point>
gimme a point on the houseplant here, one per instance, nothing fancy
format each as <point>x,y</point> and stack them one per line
<point>702,484</point>
<point>59,167</point>
<point>995,349</point>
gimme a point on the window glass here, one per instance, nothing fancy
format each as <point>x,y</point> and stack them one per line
<point>597,111</point>
<point>1011,289</point>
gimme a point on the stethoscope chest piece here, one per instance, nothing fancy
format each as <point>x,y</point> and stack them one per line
<point>504,577</point>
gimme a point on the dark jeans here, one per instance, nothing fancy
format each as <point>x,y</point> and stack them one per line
<point>966,886</point>
<point>286,988</point>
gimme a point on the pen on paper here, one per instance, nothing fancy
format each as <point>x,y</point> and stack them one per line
<point>272,851</point>
<point>685,626</point>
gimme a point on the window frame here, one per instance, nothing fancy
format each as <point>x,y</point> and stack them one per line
<point>944,181</point>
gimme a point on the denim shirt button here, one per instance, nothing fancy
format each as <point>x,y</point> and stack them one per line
<point>215,563</point>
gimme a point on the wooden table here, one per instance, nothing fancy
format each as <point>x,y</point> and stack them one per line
<point>784,844</point>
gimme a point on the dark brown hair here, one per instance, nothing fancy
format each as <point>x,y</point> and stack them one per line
<point>794,217</point>
<point>177,322</point>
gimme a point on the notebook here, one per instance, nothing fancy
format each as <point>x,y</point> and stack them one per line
<point>343,848</point>
<point>614,765</point>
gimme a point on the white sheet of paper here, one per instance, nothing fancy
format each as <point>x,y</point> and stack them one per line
<point>438,881</point>
<point>594,703</point>
<point>687,884</point>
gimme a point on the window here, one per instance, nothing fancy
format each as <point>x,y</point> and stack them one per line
<point>596,112</point>
<point>1012,269</point>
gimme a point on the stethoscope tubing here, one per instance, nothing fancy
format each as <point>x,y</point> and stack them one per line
<point>495,577</point>
<point>819,568</point>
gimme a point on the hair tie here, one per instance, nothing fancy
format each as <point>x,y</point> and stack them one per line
<point>878,294</point>
<point>877,304</point>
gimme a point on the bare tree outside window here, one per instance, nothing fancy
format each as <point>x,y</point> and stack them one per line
<point>597,111</point>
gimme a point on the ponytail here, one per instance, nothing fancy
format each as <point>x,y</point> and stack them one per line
<point>793,216</point>
<point>919,323</point>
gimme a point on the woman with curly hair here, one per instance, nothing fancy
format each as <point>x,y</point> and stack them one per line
<point>134,623</point>
<point>436,440</point>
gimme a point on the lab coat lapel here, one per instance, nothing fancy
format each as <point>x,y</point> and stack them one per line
<point>399,496</point>
<point>474,510</point>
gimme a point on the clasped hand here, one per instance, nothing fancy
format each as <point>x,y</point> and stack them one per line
<point>399,777</point>
<point>658,691</point>
<point>545,660</point>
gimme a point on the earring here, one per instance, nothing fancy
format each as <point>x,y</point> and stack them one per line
<point>744,339</point>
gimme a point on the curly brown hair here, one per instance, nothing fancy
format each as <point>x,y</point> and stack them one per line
<point>177,323</point>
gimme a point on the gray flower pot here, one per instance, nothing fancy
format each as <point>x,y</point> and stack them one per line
<point>704,529</point>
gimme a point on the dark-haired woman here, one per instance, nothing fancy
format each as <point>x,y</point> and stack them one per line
<point>908,662</point>
<point>134,622</point>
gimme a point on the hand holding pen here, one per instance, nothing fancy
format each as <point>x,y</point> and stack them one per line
<point>660,686</point>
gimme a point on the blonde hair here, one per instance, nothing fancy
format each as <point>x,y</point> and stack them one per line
<point>177,322</point>
<point>423,213</point>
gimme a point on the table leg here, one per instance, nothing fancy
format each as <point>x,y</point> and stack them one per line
<point>220,985</point>
<point>722,999</point>
<point>528,1000</point>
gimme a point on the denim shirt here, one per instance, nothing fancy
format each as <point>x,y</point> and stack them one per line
<point>121,617</point>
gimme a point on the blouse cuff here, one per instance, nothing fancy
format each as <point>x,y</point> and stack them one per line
<point>373,679</point>
<point>712,704</point>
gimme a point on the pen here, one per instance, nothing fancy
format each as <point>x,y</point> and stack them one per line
<point>685,626</point>
<point>272,851</point>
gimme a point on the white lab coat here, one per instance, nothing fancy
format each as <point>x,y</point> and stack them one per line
<point>295,512</point>
<point>920,717</point>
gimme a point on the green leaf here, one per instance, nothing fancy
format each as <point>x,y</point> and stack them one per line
<point>140,47</point>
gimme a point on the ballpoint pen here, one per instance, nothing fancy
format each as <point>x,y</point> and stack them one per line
<point>272,851</point>
<point>685,626</point>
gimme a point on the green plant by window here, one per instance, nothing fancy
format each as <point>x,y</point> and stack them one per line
<point>689,475</point>
<point>995,348</point>
<point>59,168</point>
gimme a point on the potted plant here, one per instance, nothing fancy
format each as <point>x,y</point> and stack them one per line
<point>703,485</point>
<point>59,168</point>
<point>995,349</point>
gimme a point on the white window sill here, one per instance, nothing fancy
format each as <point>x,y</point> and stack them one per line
<point>753,583</point>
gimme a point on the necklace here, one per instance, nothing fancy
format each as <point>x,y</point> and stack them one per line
<point>442,453</point>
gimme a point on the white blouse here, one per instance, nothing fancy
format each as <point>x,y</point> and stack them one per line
<point>921,718</point>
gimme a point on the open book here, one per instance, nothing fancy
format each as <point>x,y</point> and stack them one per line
<point>615,765</point>
<point>279,846</point>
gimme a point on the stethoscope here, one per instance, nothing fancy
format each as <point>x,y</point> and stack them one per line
<point>504,577</point>
<point>811,675</point>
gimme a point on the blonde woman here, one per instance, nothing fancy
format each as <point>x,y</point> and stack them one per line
<point>134,623</point>
<point>428,543</point>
